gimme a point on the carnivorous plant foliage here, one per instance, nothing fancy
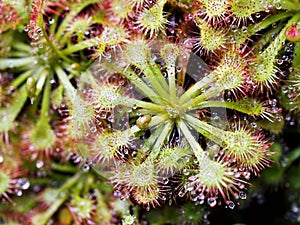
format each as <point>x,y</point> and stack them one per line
<point>160,107</point>
<point>110,109</point>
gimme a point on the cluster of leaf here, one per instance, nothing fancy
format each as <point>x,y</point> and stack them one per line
<point>101,89</point>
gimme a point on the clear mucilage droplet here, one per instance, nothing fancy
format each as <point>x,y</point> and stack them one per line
<point>231,205</point>
<point>242,195</point>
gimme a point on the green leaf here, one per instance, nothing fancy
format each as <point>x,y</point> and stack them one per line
<point>292,156</point>
<point>293,177</point>
<point>4,183</point>
<point>9,114</point>
<point>42,135</point>
<point>57,96</point>
<point>273,175</point>
<point>14,63</point>
<point>275,127</point>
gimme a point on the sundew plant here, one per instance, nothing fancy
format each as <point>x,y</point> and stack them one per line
<point>138,112</point>
<point>170,115</point>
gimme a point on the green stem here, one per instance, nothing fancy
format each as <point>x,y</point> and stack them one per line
<point>63,168</point>
<point>292,156</point>
<point>38,74</point>
<point>172,83</point>
<point>154,136</point>
<point>296,59</point>
<point>71,91</point>
<point>269,21</point>
<point>155,81</point>
<point>142,86</point>
<point>81,45</point>
<point>267,38</point>
<point>183,61</point>
<point>17,54</point>
<point>46,101</point>
<point>42,78</point>
<point>91,78</point>
<point>156,120</point>
<point>213,133</point>
<point>20,46</point>
<point>42,136</point>
<point>210,93</point>
<point>11,63</point>
<point>162,137</point>
<point>52,27</point>
<point>198,151</point>
<point>134,129</point>
<point>54,47</point>
<point>290,5</point>
<point>167,128</point>
<point>40,181</point>
<point>44,217</point>
<point>260,26</point>
<point>21,78</point>
<point>208,104</point>
<point>242,106</point>
<point>142,112</point>
<point>145,105</point>
<point>9,114</point>
<point>157,72</point>
<point>70,182</point>
<point>196,89</point>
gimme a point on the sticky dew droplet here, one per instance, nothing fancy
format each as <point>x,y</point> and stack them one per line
<point>86,168</point>
<point>231,205</point>
<point>242,195</point>
<point>211,202</point>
